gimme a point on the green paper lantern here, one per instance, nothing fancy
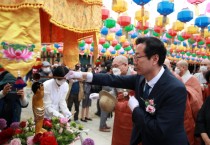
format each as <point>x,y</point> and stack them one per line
<point>146,31</point>
<point>201,42</point>
<point>54,51</point>
<point>44,49</point>
<point>155,34</point>
<point>188,53</point>
<point>92,44</point>
<point>204,57</point>
<point>191,41</point>
<point>128,48</point>
<point>106,45</point>
<point>82,43</point>
<point>129,28</point>
<point>118,47</point>
<point>168,36</point>
<point>180,38</point>
<point>208,45</point>
<point>110,23</point>
<point>182,52</point>
<point>193,55</point>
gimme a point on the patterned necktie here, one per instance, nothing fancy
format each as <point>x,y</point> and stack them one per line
<point>146,91</point>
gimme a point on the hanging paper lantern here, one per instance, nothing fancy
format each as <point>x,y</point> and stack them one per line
<point>122,39</point>
<point>115,29</point>
<point>185,15</point>
<point>82,43</point>
<point>178,26</point>
<point>172,32</point>
<point>56,45</point>
<point>124,20</point>
<point>110,23</point>
<point>82,48</point>
<point>110,37</point>
<point>146,31</point>
<point>19,83</point>
<point>186,35</point>
<point>141,2</point>
<point>160,19</point>
<point>202,21</point>
<point>102,40</point>
<point>207,41</point>
<point>49,48</point>
<point>88,40</point>
<point>155,34</point>
<point>104,31</point>
<point>106,45</point>
<point>165,7</point>
<point>114,42</point>
<point>192,29</point>
<point>103,50</point>
<point>129,28</point>
<point>201,42</point>
<point>37,65</point>
<point>113,52</point>
<point>195,1</point>
<point>55,51</point>
<point>188,53</point>
<point>91,49</point>
<point>60,50</point>
<point>118,47</point>
<point>141,15</point>
<point>158,29</point>
<point>105,13</point>
<point>180,38</point>
<point>119,33</point>
<point>168,36</point>
<point>191,41</point>
<point>120,6</point>
<point>142,26</point>
<point>128,48</point>
<point>126,44</point>
<point>44,48</point>
<point>134,35</point>
<point>197,38</point>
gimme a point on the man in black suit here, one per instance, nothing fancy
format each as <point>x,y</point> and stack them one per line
<point>161,123</point>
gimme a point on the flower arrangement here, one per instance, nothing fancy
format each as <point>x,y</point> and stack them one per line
<point>58,132</point>
<point>150,106</point>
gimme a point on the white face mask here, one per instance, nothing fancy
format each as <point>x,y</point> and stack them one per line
<point>177,71</point>
<point>60,82</point>
<point>203,68</point>
<point>116,71</point>
<point>46,70</point>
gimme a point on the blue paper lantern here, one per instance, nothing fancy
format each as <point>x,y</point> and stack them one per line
<point>91,49</point>
<point>141,2</point>
<point>119,32</point>
<point>165,8</point>
<point>185,15</point>
<point>202,21</point>
<point>184,44</point>
<point>103,50</point>
<point>134,35</point>
<point>122,52</point>
<point>104,31</point>
<point>82,48</point>
<point>113,52</point>
<point>176,42</point>
<point>56,45</point>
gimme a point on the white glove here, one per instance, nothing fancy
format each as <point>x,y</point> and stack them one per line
<point>69,115</point>
<point>60,116</point>
<point>73,75</point>
<point>133,103</point>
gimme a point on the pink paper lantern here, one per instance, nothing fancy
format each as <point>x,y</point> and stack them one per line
<point>115,29</point>
<point>100,47</point>
<point>195,1</point>
<point>208,8</point>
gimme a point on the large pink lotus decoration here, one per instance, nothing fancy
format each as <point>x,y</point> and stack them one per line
<point>17,52</point>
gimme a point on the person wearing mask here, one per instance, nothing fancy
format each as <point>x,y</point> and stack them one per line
<point>55,91</point>
<point>45,71</point>
<point>163,123</point>
<point>86,102</point>
<point>13,100</point>
<point>75,95</point>
<point>194,100</point>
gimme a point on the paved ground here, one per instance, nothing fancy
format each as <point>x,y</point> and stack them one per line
<point>100,138</point>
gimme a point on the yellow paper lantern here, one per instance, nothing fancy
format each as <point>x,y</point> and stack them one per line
<point>142,17</point>
<point>119,6</point>
<point>178,26</point>
<point>206,33</point>
<point>110,37</point>
<point>192,29</point>
<point>159,21</point>
<point>122,38</point>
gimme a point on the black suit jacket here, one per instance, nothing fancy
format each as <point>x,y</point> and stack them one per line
<point>166,126</point>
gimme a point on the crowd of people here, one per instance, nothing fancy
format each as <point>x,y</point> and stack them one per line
<point>156,103</point>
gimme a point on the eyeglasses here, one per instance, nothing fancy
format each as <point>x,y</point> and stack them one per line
<point>137,57</point>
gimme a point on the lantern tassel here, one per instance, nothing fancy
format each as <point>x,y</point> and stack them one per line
<point>196,10</point>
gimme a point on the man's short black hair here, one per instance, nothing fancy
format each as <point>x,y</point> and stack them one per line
<point>35,87</point>
<point>60,71</point>
<point>207,76</point>
<point>153,46</point>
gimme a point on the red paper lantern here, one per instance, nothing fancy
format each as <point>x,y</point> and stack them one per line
<point>197,38</point>
<point>124,21</point>
<point>172,32</point>
<point>126,44</point>
<point>140,26</point>
<point>105,13</point>
<point>158,29</point>
<point>114,42</point>
<point>88,40</point>
<point>186,35</point>
<point>207,40</point>
<point>102,41</point>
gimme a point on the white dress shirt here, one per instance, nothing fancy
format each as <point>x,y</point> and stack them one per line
<point>54,99</point>
<point>200,78</point>
<point>153,81</point>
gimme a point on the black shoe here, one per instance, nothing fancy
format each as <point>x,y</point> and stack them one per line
<point>83,120</point>
<point>88,119</point>
<point>97,114</point>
